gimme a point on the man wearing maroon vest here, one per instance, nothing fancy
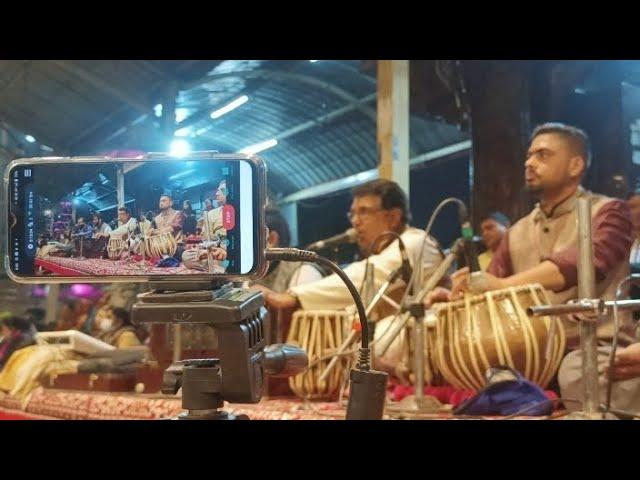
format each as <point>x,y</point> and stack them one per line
<point>543,248</point>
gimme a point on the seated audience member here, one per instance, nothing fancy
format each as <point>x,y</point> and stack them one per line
<point>67,316</point>
<point>284,275</point>
<point>74,314</point>
<point>17,333</point>
<point>113,326</point>
<point>493,229</point>
<point>37,317</point>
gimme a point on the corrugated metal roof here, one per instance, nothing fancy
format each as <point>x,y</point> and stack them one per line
<point>322,113</point>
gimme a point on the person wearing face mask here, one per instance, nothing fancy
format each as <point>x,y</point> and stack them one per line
<point>113,326</point>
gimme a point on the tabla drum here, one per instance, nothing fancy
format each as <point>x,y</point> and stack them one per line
<point>116,247</point>
<point>493,329</point>
<point>160,245</point>
<point>320,333</point>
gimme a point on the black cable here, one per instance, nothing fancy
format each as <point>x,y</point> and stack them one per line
<point>297,255</point>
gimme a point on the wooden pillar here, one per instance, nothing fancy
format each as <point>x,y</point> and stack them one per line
<point>500,127</point>
<point>393,121</point>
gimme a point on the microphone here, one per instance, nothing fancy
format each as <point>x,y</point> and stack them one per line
<point>467,238</point>
<point>477,280</point>
<point>282,360</point>
<point>348,236</point>
<point>406,269</point>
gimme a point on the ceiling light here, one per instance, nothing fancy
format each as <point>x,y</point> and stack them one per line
<point>230,106</point>
<point>259,147</point>
<point>179,148</point>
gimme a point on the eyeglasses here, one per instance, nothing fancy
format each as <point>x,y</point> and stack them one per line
<point>363,213</point>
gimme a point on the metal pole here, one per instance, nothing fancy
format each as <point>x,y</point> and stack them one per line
<point>368,296</point>
<point>120,184</point>
<point>587,289</point>
<point>419,338</point>
<point>419,360</point>
<point>177,342</point>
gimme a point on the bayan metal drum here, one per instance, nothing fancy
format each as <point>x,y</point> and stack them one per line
<point>493,329</point>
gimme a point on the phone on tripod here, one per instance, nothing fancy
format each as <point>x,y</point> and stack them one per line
<point>87,218</point>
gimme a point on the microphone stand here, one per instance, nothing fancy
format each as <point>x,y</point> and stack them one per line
<point>380,295</point>
<point>413,308</point>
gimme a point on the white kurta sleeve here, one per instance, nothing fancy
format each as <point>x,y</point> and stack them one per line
<point>305,274</point>
<point>330,293</point>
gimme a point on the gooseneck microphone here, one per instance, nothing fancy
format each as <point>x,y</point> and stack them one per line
<point>349,236</point>
<point>477,279</point>
<point>467,238</point>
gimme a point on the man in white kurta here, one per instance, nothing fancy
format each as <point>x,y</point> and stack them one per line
<point>377,207</point>
<point>330,292</point>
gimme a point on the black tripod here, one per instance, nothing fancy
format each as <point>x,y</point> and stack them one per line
<point>242,323</point>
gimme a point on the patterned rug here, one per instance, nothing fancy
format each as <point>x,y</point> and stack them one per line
<point>75,267</point>
<point>76,405</point>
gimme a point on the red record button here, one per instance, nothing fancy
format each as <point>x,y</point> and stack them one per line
<point>228,217</point>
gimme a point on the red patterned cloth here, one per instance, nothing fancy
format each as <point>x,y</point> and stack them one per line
<point>76,405</point>
<point>76,267</point>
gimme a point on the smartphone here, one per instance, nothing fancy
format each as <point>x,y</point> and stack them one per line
<point>153,217</point>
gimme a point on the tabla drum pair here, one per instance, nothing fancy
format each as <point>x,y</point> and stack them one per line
<point>464,340</point>
<point>157,246</point>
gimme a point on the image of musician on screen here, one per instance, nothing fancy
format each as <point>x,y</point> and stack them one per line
<point>190,223</point>
<point>170,223</point>
<point>100,227</point>
<point>145,223</point>
<point>209,256</point>
<point>212,225</point>
<point>82,229</point>
<point>168,220</point>
<point>126,224</point>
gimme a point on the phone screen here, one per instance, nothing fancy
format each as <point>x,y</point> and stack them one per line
<point>133,219</point>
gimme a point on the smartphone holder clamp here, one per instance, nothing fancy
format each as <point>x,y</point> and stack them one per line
<point>241,323</point>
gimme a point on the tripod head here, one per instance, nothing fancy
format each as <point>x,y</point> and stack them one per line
<point>241,323</point>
